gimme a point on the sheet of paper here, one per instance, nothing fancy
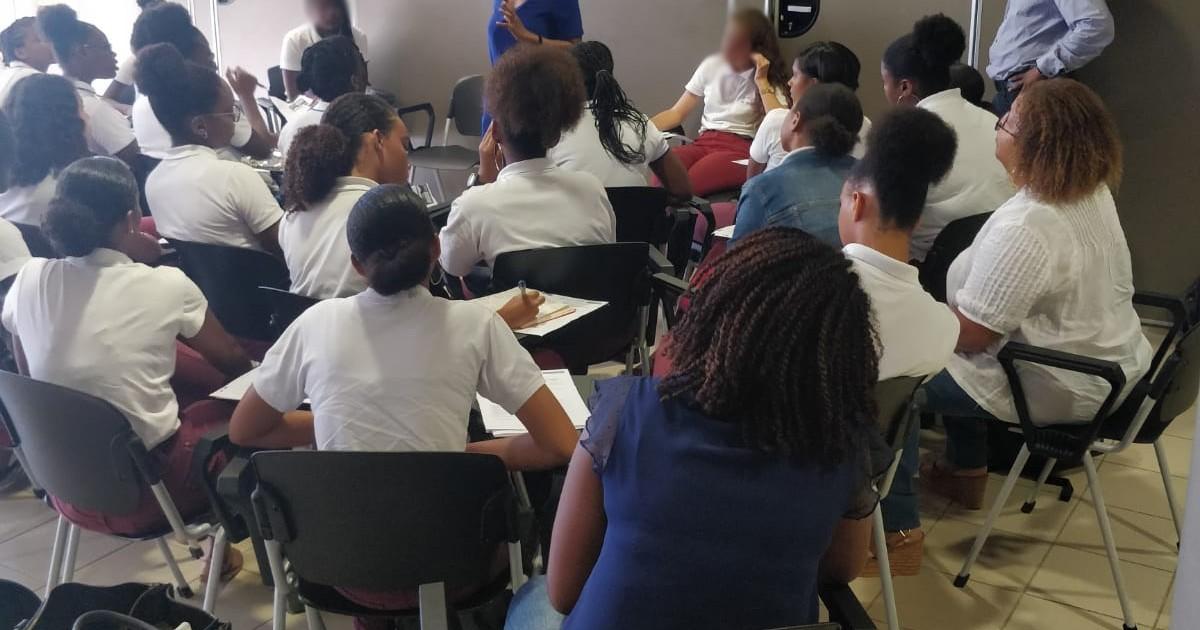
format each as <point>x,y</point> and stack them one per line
<point>725,232</point>
<point>554,305</point>
<point>236,388</point>
<point>745,162</point>
<point>501,423</point>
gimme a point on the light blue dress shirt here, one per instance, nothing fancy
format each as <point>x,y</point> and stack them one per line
<point>1057,36</point>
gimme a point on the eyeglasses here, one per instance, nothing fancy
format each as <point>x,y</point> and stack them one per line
<point>1001,125</point>
<point>235,115</point>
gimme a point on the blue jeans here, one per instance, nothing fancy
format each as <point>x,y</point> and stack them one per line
<point>531,610</point>
<point>966,447</point>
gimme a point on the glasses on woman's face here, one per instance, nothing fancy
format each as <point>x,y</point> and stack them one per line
<point>1002,125</point>
<point>234,116</point>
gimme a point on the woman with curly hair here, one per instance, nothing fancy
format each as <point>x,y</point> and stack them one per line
<point>535,94</point>
<point>331,67</point>
<point>718,496</point>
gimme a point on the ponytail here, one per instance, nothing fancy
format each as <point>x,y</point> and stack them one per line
<point>391,236</point>
<point>93,196</point>
<point>908,150</point>
<point>609,105</point>
<point>318,157</point>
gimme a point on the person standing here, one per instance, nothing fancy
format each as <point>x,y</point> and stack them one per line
<point>1043,39</point>
<point>555,23</point>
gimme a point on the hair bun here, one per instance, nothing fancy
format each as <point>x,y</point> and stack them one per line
<point>939,40</point>
<point>915,145</point>
<point>71,227</point>
<point>57,21</point>
<point>161,71</point>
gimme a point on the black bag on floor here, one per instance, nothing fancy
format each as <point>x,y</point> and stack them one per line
<point>151,604</point>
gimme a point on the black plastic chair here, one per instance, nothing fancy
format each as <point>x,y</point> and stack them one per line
<point>466,114</point>
<point>39,246</point>
<point>81,450</point>
<point>1167,390</point>
<point>642,214</point>
<point>230,278</point>
<point>17,604</point>
<point>275,81</point>
<point>285,307</point>
<point>616,273</point>
<point>440,520</point>
<point>953,240</point>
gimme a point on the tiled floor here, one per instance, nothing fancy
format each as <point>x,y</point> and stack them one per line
<point>1045,570</point>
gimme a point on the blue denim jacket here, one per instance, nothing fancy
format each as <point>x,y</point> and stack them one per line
<point>803,192</point>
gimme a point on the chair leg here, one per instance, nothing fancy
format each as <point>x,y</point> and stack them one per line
<point>1176,514</point>
<point>433,607</point>
<point>441,187</point>
<point>1010,482</point>
<point>314,619</point>
<point>279,604</point>
<point>885,570</point>
<point>68,562</point>
<point>1110,544</point>
<point>54,572</point>
<point>181,584</point>
<point>215,564</point>
<point>1037,487</point>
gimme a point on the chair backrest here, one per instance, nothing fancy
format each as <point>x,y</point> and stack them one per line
<point>642,214</point>
<point>230,278</point>
<point>285,306</point>
<point>385,521</point>
<point>466,105</point>
<point>275,81</point>
<point>950,242</point>
<point>617,273</point>
<point>1176,387</point>
<point>39,246</point>
<point>77,446</point>
<point>893,398</point>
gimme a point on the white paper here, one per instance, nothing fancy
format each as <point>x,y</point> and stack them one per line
<point>501,423</point>
<point>582,308</point>
<point>236,388</point>
<point>745,162</point>
<point>725,232</point>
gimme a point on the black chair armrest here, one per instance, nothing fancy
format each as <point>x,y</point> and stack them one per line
<point>1179,321</point>
<point>669,289</point>
<point>659,262</point>
<point>146,467</point>
<point>844,607</point>
<point>703,207</point>
<point>427,108</point>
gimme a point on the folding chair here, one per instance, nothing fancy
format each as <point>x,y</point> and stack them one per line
<point>285,307</point>
<point>441,522</point>
<point>230,278</point>
<point>1167,390</point>
<point>81,450</point>
<point>466,113</point>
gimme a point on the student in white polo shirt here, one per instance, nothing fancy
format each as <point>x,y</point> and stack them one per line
<point>361,144</point>
<point>326,18</point>
<point>533,204</point>
<point>916,72</point>
<point>14,253</point>
<point>102,324</point>
<point>25,53</point>
<point>121,89</point>
<point>613,140</point>
<point>332,67</point>
<point>193,194</point>
<point>882,201</point>
<point>170,23</point>
<point>738,86</point>
<point>85,55</point>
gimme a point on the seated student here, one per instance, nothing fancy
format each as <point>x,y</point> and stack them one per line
<point>613,140</point>
<point>332,67</point>
<point>916,72</point>
<point>326,18</point>
<point>822,62</point>
<point>170,23</point>
<point>360,145</point>
<point>25,53</point>
<point>718,496</point>
<point>1050,268</point>
<point>84,55</point>
<point>397,369</point>
<point>738,85</point>
<point>104,325</point>
<point>804,191</point>
<point>14,253</point>
<point>193,194</point>
<point>908,150</point>
<point>535,94</point>
<point>121,88</point>
<point>970,82</point>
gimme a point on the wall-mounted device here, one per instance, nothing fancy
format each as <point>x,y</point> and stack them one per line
<point>793,18</point>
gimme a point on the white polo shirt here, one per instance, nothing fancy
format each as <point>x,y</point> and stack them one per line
<point>532,205</point>
<point>917,334</point>
<point>730,97</point>
<point>307,117</point>
<point>196,196</point>
<point>976,183</point>
<point>767,147</point>
<point>315,246</point>
<point>300,38</point>
<point>107,326</point>
<point>108,130</point>
<point>396,373</point>
<point>155,141</point>
<point>28,204</point>
<point>580,150</point>
<point>14,253</point>
<point>10,74</point>
<point>127,71</point>
<point>1057,277</point>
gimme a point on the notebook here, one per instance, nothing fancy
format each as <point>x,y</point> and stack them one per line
<point>557,312</point>
<point>501,423</point>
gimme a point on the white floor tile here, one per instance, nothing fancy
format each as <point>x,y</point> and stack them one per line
<point>1179,455</point>
<point>29,553</point>
<point>930,601</point>
<point>1007,560</point>
<point>20,513</point>
<point>1034,613</point>
<point>1138,489</point>
<point>1044,523</point>
<point>1141,538</point>
<point>1084,580</point>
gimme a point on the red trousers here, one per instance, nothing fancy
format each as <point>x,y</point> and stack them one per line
<point>709,161</point>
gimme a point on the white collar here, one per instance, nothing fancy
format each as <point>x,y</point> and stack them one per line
<point>84,87</point>
<point>22,64</point>
<point>372,297</point>
<point>900,270</point>
<point>102,257</point>
<point>355,183</point>
<point>189,151</point>
<point>933,101</point>
<point>526,167</point>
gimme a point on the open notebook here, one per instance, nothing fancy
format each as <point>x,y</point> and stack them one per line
<point>557,312</point>
<point>501,423</point>
<point>725,232</point>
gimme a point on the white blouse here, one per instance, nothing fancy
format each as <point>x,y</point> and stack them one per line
<point>730,97</point>
<point>767,147</point>
<point>14,253</point>
<point>315,246</point>
<point>28,205</point>
<point>108,130</point>
<point>1057,277</point>
<point>307,117</point>
<point>299,39</point>
<point>10,74</point>
<point>580,150</point>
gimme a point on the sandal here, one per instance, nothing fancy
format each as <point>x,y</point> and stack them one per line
<point>234,562</point>
<point>906,550</point>
<point>965,487</point>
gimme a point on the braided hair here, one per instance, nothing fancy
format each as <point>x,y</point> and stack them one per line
<point>608,103</point>
<point>779,340</point>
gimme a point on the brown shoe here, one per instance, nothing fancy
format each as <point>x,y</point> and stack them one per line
<point>906,550</point>
<point>965,487</point>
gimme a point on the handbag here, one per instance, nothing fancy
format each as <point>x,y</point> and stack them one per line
<point>136,607</point>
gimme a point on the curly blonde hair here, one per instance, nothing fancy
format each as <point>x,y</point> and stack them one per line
<point>1067,141</point>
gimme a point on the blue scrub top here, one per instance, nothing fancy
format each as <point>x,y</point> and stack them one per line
<point>552,19</point>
